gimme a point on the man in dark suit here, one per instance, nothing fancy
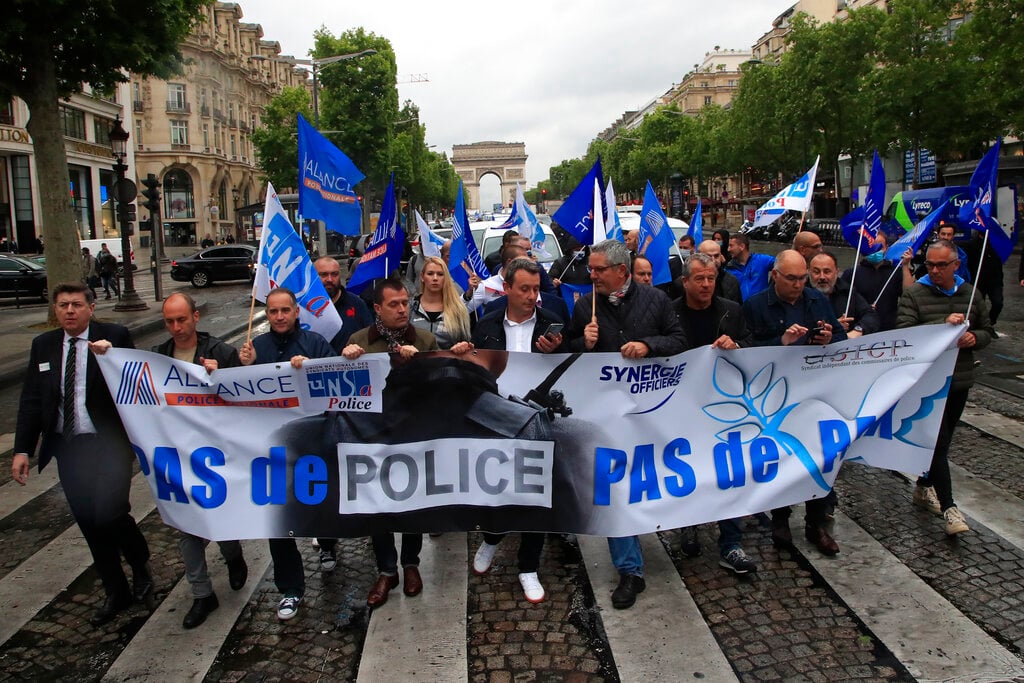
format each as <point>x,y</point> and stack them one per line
<point>65,401</point>
<point>520,326</point>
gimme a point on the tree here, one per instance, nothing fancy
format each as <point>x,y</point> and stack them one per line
<point>360,100</point>
<point>276,141</point>
<point>48,50</point>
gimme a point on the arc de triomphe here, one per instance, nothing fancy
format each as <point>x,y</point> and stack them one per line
<point>507,160</point>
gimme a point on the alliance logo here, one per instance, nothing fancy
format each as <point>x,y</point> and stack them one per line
<point>137,386</point>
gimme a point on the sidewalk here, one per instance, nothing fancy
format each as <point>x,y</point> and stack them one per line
<point>223,309</point>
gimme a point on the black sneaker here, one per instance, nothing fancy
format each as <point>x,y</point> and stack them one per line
<point>625,594</point>
<point>327,561</point>
<point>737,562</point>
<point>690,545</point>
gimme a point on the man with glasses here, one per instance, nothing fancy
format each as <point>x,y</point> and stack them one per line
<point>637,322</point>
<point>943,296</point>
<point>789,313</point>
<point>808,243</point>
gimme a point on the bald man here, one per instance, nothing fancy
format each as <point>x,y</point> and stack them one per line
<point>808,243</point>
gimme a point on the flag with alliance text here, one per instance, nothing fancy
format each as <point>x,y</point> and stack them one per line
<point>326,181</point>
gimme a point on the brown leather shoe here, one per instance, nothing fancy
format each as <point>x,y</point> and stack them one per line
<point>413,584</point>
<point>821,540</point>
<point>381,587</point>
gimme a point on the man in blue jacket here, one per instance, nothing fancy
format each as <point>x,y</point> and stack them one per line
<point>787,313</point>
<point>751,270</point>
<point>286,342</point>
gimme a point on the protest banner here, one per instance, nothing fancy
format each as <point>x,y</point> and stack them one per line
<point>583,443</point>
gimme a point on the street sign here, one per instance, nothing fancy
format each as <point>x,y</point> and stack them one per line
<point>126,191</point>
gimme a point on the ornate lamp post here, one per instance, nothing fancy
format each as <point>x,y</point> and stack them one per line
<point>125,192</point>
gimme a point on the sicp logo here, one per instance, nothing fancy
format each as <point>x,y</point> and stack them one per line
<point>137,386</point>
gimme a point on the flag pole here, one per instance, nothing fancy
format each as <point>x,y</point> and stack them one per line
<point>878,298</point>
<point>252,310</point>
<point>853,271</point>
<point>974,285</point>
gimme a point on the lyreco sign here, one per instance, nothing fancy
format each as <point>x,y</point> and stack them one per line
<point>582,443</point>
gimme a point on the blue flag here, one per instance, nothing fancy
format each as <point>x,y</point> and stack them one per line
<point>571,293</point>
<point>696,229</point>
<point>464,252</point>
<point>916,237</point>
<point>326,179</point>
<point>576,215</point>
<point>655,239</point>
<point>860,226</point>
<point>384,250</point>
<point>977,214</point>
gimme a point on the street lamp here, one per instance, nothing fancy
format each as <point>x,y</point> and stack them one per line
<point>125,192</point>
<point>315,64</point>
<point>235,194</point>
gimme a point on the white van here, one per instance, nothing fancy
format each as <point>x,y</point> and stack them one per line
<point>114,245</point>
<point>487,235</point>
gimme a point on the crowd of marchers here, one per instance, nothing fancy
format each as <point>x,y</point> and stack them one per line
<point>721,295</point>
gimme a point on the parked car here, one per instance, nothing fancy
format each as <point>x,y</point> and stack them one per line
<point>216,264</point>
<point>487,235</point>
<point>22,277</point>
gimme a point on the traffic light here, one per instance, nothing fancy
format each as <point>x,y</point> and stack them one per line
<point>151,193</point>
<point>544,193</point>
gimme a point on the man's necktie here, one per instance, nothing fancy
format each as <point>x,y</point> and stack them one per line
<point>69,389</point>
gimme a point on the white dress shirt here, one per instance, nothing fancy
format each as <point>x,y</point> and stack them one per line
<point>83,423</point>
<point>518,336</point>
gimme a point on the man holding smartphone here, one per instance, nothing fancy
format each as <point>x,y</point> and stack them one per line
<point>519,326</point>
<point>787,313</point>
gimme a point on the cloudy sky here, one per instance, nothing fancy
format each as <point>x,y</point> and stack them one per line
<point>552,74</point>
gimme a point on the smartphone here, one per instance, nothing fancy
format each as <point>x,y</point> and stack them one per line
<point>815,331</point>
<point>553,330</point>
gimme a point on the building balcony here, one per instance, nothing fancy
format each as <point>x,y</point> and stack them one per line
<point>204,110</point>
<point>218,115</point>
<point>233,122</point>
<point>179,108</point>
<point>138,105</point>
<point>176,147</point>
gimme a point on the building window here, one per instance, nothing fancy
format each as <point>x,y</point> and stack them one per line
<point>234,149</point>
<point>176,97</point>
<point>101,130</point>
<point>178,197</point>
<point>73,121</point>
<point>179,132</point>
<point>7,112</point>
<point>707,100</point>
<point>138,132</point>
<point>206,137</point>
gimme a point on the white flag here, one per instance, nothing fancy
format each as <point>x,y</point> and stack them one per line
<point>794,197</point>
<point>430,243</point>
<point>284,262</point>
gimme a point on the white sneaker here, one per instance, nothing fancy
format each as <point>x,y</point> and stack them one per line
<point>532,589</point>
<point>955,522</point>
<point>925,498</point>
<point>483,558</point>
<point>288,607</point>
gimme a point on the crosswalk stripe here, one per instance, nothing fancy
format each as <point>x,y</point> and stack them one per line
<point>163,651</point>
<point>664,631</point>
<point>423,638</point>
<point>929,636</point>
<point>36,581</point>
<point>994,424</point>
<point>13,495</point>
<point>1000,511</point>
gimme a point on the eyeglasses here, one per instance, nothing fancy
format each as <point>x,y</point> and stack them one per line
<point>939,265</point>
<point>792,278</point>
<point>598,269</point>
<point>814,246</point>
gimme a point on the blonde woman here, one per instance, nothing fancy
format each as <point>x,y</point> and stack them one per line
<point>439,308</point>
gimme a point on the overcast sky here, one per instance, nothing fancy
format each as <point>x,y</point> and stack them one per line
<point>551,74</point>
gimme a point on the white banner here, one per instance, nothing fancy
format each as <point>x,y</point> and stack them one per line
<point>587,443</point>
<point>794,197</point>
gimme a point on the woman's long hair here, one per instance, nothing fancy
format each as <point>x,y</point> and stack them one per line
<point>456,317</point>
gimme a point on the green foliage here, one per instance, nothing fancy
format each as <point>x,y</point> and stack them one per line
<point>276,141</point>
<point>915,76</point>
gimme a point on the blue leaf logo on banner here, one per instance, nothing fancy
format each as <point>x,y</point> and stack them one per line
<point>326,181</point>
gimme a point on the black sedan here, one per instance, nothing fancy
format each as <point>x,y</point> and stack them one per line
<point>215,264</point>
<point>22,278</point>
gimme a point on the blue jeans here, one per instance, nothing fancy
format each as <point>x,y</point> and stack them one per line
<point>729,535</point>
<point>626,555</point>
